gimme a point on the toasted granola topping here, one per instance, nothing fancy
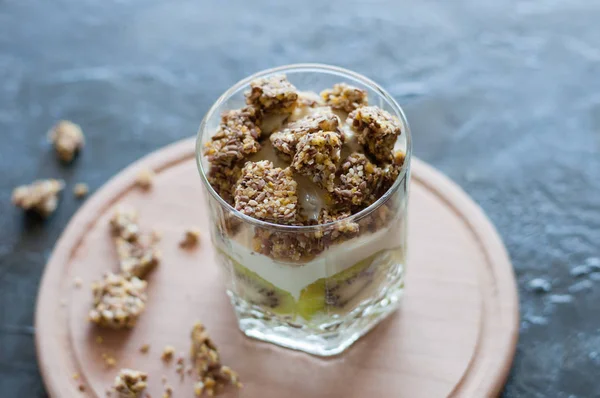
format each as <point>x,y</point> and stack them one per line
<point>144,179</point>
<point>376,130</point>
<point>207,363</point>
<point>124,224</point>
<point>317,157</point>
<point>191,238</point>
<point>118,301</point>
<point>40,196</point>
<point>286,141</point>
<point>130,383</point>
<point>309,99</point>
<point>359,179</point>
<point>135,258</point>
<point>223,179</point>
<point>272,94</point>
<point>80,190</point>
<point>267,193</point>
<point>345,97</point>
<point>67,138</point>
<point>391,172</point>
<point>236,139</point>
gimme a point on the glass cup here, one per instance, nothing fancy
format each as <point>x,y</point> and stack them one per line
<point>315,288</point>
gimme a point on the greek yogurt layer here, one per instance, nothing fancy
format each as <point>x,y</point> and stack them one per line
<point>293,278</point>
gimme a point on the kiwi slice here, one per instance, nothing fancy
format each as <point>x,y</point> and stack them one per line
<point>255,290</point>
<point>340,290</point>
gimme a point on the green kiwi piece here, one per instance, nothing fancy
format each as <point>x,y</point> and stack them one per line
<point>338,290</point>
<point>255,290</point>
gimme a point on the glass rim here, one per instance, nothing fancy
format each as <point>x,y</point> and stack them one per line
<point>317,68</point>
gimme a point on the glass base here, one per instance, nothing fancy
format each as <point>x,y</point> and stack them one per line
<point>323,338</point>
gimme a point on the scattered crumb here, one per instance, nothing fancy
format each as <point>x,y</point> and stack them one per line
<point>123,223</point>
<point>144,179</point>
<point>145,348</point>
<point>167,353</point>
<point>118,301</point>
<point>99,339</point>
<point>130,383</point>
<point>67,138</point>
<point>168,391</point>
<point>180,366</point>
<point>136,258</point>
<point>206,361</point>
<point>163,378</point>
<point>81,388</point>
<point>80,190</point>
<point>77,282</point>
<point>190,238</point>
<point>40,196</point>
<point>109,360</point>
<point>155,236</point>
<point>75,376</point>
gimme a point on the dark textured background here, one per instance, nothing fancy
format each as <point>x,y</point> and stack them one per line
<point>503,96</point>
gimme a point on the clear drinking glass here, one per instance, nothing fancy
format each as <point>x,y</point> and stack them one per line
<point>339,289</point>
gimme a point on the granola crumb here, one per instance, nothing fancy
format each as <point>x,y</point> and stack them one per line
<point>145,179</point>
<point>155,236</point>
<point>272,94</point>
<point>190,239</point>
<point>267,193</point>
<point>145,348</point>
<point>206,361</point>
<point>167,353</point>
<point>76,376</point>
<point>130,383</point>
<point>109,360</point>
<point>345,97</point>
<point>376,130</point>
<point>77,282</point>
<point>67,138</point>
<point>135,258</point>
<point>168,391</point>
<point>80,190</point>
<point>99,339</point>
<point>119,300</point>
<point>236,138</point>
<point>81,387</point>
<point>317,157</point>
<point>40,196</point>
<point>123,223</point>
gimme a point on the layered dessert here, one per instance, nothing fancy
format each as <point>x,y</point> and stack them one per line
<point>312,229</point>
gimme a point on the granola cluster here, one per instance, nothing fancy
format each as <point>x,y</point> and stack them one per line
<point>376,130</point>
<point>67,139</point>
<point>272,94</point>
<point>124,223</point>
<point>359,181</point>
<point>130,383</point>
<point>206,361</point>
<point>317,157</point>
<point>345,97</point>
<point>267,193</point>
<point>224,179</point>
<point>40,196</point>
<point>118,301</point>
<point>286,141</point>
<point>236,138</point>
<point>136,258</point>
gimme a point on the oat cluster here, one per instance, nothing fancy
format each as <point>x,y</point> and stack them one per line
<point>317,157</point>
<point>206,361</point>
<point>40,196</point>
<point>272,94</point>
<point>130,383</point>
<point>267,193</point>
<point>67,139</point>
<point>359,181</point>
<point>286,141</point>
<point>236,138</point>
<point>118,301</point>
<point>376,130</point>
<point>345,97</point>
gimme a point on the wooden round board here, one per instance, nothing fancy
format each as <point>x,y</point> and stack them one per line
<point>454,335</point>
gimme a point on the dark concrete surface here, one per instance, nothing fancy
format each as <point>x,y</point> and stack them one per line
<point>503,96</point>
